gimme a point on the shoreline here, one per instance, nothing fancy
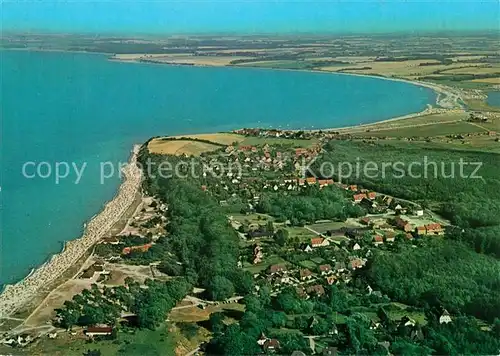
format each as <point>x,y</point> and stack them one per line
<point>438,89</point>
<point>14,297</point>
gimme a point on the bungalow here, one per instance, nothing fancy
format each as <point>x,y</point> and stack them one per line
<point>353,188</point>
<point>372,195</point>
<point>359,197</point>
<point>98,331</point>
<point>419,212</point>
<point>316,289</point>
<point>305,274</point>
<point>356,247</point>
<point>325,269</point>
<point>319,242</point>
<point>301,182</point>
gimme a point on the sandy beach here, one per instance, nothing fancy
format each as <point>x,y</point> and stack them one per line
<point>14,297</point>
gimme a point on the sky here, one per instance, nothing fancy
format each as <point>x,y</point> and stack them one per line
<point>248,16</point>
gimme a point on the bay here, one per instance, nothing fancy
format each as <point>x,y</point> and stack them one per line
<point>83,109</point>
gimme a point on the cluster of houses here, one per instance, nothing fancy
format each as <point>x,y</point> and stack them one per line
<point>311,283</point>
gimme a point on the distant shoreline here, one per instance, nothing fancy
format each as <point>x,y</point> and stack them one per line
<point>15,296</point>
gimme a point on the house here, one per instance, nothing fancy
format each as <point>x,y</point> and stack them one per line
<point>445,318</point>
<point>378,240</point>
<point>317,289</point>
<point>325,269</point>
<point>319,242</point>
<point>311,180</point>
<point>307,248</point>
<point>403,224</point>
<point>390,236</point>
<point>356,247</point>
<point>353,188</point>
<point>365,221</point>
<point>434,229</point>
<point>276,269</point>
<point>271,345</point>
<point>301,182</point>
<point>372,195</point>
<point>399,209</point>
<point>419,212</point>
<point>420,230</point>
<point>95,268</point>
<point>305,274</point>
<point>356,263</point>
<point>98,331</point>
<point>111,240</point>
<point>331,280</point>
<point>140,248</point>
<point>359,197</point>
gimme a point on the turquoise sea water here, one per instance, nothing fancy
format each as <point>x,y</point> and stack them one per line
<point>66,107</point>
<point>494,98</point>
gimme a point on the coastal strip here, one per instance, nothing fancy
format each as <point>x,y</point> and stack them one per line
<point>15,296</point>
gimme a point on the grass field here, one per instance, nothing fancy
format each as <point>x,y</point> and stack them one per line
<point>429,130</point>
<point>325,226</point>
<point>408,69</point>
<point>180,147</point>
<point>419,120</point>
<point>268,261</point>
<point>142,342</point>
<point>301,233</point>
<point>223,138</point>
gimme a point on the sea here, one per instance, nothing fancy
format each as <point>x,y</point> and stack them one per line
<point>78,114</point>
<point>493,98</point>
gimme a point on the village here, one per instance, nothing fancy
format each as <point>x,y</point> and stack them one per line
<point>307,256</point>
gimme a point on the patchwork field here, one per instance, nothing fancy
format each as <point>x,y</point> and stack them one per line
<point>221,138</point>
<point>410,68</point>
<point>428,130</point>
<point>180,147</point>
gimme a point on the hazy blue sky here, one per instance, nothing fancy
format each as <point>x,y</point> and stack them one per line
<point>156,16</point>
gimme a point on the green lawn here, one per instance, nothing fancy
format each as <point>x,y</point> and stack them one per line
<point>442,129</point>
<point>325,226</point>
<point>301,233</point>
<point>268,261</point>
<point>142,342</point>
<point>308,264</point>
